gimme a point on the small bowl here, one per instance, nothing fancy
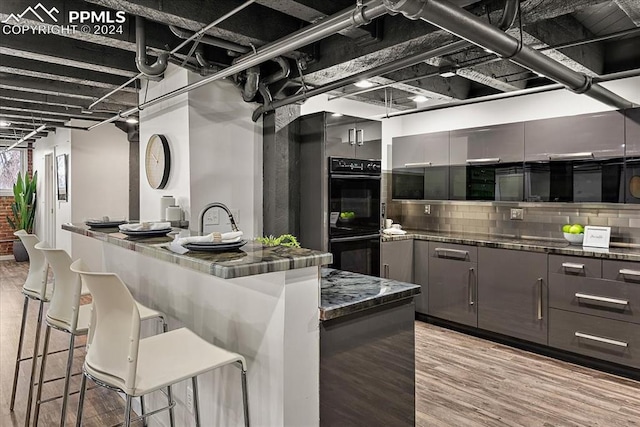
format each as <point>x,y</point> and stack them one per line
<point>574,239</point>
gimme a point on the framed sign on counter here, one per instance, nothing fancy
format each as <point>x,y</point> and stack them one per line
<point>61,177</point>
<point>596,237</point>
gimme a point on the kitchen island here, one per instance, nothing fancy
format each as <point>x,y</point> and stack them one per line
<point>312,336</point>
<point>261,302</point>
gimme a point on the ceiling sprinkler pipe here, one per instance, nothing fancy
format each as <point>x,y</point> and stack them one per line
<point>468,26</point>
<point>210,40</point>
<point>156,69</point>
<point>250,87</point>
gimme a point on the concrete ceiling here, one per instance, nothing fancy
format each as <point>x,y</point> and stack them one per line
<point>54,76</point>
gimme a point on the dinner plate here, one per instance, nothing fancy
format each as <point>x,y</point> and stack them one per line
<point>104,224</point>
<point>214,247</point>
<point>146,233</point>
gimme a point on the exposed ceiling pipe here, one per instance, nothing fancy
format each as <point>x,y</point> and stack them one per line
<point>468,26</point>
<point>512,94</point>
<point>155,70</point>
<point>203,71</point>
<point>283,73</point>
<point>250,87</point>
<point>509,14</point>
<point>210,40</point>
<point>359,15</point>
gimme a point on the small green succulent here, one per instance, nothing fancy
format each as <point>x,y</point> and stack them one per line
<point>283,240</point>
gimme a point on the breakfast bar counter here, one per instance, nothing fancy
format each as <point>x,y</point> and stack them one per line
<point>261,302</point>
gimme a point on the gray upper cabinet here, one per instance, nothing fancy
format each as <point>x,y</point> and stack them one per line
<point>512,293</point>
<point>632,128</point>
<point>396,259</point>
<point>418,151</point>
<point>598,136</point>
<point>453,282</point>
<point>487,145</point>
<point>353,137</point>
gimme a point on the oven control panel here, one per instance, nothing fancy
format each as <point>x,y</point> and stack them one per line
<point>355,166</point>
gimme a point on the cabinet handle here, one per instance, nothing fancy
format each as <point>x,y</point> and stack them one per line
<point>600,339</point>
<point>573,265</point>
<point>626,271</point>
<point>572,156</point>
<point>460,253</point>
<point>602,299</point>
<point>540,284</point>
<point>471,302</point>
<point>385,268</point>
<point>417,165</point>
<point>361,133</point>
<point>484,161</point>
<point>352,136</point>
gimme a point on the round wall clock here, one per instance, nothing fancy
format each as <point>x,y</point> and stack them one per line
<point>157,161</point>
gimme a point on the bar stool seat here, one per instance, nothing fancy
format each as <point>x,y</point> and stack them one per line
<point>118,358</point>
<point>66,314</point>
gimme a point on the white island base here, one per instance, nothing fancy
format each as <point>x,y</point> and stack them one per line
<point>272,319</point>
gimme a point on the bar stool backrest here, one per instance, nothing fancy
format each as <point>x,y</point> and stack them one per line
<point>114,330</point>
<point>65,302</point>
<point>36,283</point>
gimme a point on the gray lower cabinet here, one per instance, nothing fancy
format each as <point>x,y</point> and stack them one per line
<point>396,259</point>
<point>453,282</point>
<point>421,274</point>
<point>512,293</point>
<point>602,338</point>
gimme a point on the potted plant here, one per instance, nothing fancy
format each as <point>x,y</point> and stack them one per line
<point>23,210</point>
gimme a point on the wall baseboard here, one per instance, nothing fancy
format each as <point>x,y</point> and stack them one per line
<point>6,257</point>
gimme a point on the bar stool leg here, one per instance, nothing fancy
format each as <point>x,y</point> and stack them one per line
<point>245,396</point>
<point>144,419</point>
<point>34,363</point>
<point>19,355</point>
<point>43,363</point>
<point>196,406</point>
<point>127,412</point>
<point>67,380</point>
<point>83,389</point>
<point>172,422</point>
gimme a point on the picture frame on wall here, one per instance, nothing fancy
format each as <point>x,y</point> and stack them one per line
<point>61,177</point>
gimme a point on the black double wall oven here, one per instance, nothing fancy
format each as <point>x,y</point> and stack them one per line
<point>354,214</point>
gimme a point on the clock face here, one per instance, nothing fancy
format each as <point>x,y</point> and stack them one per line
<point>157,161</point>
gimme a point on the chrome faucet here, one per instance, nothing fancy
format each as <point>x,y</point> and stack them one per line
<point>204,210</point>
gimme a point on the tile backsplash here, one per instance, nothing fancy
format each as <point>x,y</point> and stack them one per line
<point>540,220</point>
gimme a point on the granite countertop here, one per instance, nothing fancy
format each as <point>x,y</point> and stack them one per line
<point>525,243</point>
<point>251,259</point>
<point>344,292</point>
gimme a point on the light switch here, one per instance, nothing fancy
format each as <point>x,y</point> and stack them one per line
<point>517,213</point>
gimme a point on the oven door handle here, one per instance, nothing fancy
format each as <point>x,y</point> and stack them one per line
<point>355,238</point>
<point>345,176</point>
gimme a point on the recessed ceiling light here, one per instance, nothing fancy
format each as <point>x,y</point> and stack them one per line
<point>4,123</point>
<point>448,74</point>
<point>131,120</point>
<point>363,84</point>
<point>336,115</point>
<point>419,98</point>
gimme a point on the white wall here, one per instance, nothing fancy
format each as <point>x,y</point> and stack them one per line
<point>226,154</point>
<point>171,119</point>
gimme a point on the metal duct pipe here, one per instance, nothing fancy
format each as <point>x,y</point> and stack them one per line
<point>156,69</point>
<point>203,71</point>
<point>210,40</point>
<point>250,87</point>
<point>285,69</point>
<point>326,27</point>
<point>509,14</point>
<point>467,26</point>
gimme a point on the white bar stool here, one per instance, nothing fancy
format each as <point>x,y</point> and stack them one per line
<point>67,315</point>
<point>118,358</point>
<point>34,288</point>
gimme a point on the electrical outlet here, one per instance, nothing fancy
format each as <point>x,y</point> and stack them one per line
<point>189,401</point>
<point>212,217</point>
<point>427,209</point>
<point>517,213</point>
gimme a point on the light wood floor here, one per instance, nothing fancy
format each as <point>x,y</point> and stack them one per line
<point>461,381</point>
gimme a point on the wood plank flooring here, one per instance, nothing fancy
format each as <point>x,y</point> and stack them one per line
<point>461,381</point>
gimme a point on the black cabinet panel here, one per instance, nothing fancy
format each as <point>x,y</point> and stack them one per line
<point>421,274</point>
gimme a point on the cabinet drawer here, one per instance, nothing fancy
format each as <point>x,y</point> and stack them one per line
<point>575,266</point>
<point>453,251</point>
<point>606,339</point>
<point>622,271</point>
<point>599,297</point>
